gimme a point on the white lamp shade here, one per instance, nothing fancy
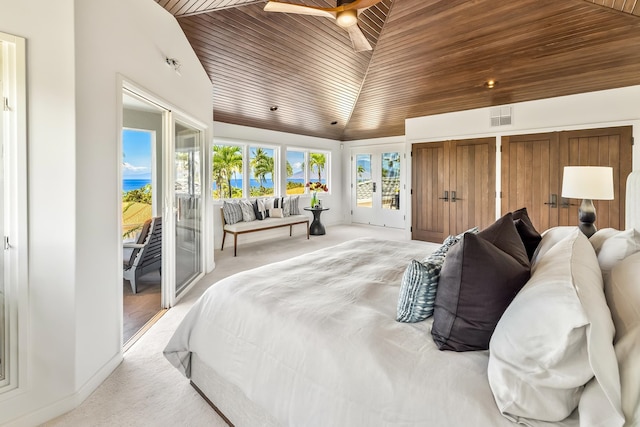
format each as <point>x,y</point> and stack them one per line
<point>588,182</point>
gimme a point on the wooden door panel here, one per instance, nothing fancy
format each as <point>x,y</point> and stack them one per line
<point>528,180</point>
<point>473,180</point>
<point>429,181</point>
<point>598,147</point>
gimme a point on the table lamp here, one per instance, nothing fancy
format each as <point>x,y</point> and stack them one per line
<point>587,183</point>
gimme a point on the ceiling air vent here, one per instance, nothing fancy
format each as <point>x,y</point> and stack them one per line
<point>501,116</point>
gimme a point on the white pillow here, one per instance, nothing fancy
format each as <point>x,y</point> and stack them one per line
<point>549,238</point>
<point>556,334</point>
<point>616,248</point>
<point>276,213</point>
<point>600,236</point>
<point>622,290</point>
<point>628,353</point>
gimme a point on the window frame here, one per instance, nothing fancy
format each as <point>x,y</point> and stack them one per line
<point>307,170</point>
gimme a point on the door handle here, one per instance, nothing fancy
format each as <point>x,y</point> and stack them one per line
<point>565,203</point>
<point>446,197</point>
<point>374,187</point>
<point>553,201</point>
<point>453,197</point>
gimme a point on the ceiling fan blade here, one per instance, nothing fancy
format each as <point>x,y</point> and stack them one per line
<point>358,40</point>
<point>278,6</point>
<point>356,4</point>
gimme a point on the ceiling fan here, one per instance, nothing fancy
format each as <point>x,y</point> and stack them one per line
<point>345,15</point>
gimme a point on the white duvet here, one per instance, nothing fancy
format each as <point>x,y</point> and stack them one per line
<point>314,341</point>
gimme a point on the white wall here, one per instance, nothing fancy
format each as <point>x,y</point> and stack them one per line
<point>223,132</point>
<point>75,50</point>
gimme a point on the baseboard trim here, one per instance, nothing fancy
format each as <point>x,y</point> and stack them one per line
<point>70,402</point>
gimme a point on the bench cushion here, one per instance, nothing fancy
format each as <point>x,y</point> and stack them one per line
<point>241,227</point>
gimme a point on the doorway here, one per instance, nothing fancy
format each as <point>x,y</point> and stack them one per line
<point>377,186</point>
<point>169,244</point>
<point>142,136</point>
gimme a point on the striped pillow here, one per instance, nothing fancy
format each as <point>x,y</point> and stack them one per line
<point>418,290</point>
<point>232,212</point>
<point>294,205</point>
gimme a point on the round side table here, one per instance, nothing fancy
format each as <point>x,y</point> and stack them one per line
<point>316,228</point>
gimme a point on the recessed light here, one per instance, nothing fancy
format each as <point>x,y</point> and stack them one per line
<point>334,123</point>
<point>490,84</point>
<point>273,108</point>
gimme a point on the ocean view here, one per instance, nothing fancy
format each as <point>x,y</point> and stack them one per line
<point>134,184</point>
<point>237,183</point>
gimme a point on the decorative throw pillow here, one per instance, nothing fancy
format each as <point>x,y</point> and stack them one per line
<point>554,337</point>
<point>504,235</point>
<point>256,211</point>
<point>263,209</point>
<point>529,235</point>
<point>232,212</point>
<point>247,211</point>
<point>477,282</point>
<point>418,291</point>
<point>295,205</point>
<point>276,213</point>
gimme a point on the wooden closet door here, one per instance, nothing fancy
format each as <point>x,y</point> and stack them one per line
<point>473,182</point>
<point>429,181</point>
<point>598,147</point>
<point>532,169</point>
<point>529,177</point>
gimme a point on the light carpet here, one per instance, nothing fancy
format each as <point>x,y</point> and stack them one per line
<point>145,390</point>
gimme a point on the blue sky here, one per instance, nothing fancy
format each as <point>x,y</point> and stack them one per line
<point>136,146</point>
<point>296,159</point>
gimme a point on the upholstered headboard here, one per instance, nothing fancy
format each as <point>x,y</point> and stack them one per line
<point>633,201</point>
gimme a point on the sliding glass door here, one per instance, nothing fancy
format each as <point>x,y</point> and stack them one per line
<point>177,197</point>
<point>188,202</point>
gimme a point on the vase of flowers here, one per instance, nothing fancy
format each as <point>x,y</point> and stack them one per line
<point>314,187</point>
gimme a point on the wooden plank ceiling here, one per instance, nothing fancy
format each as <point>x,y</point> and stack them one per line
<point>429,57</point>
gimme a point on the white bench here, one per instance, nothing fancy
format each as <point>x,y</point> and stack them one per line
<point>260,225</point>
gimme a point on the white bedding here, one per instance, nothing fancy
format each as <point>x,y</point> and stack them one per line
<point>314,341</point>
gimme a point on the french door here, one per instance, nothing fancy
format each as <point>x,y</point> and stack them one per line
<point>378,186</point>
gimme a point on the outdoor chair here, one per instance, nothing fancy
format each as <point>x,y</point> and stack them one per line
<point>145,254</point>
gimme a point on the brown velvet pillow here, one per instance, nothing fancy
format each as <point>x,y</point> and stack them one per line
<point>504,235</point>
<point>478,281</point>
<point>528,233</point>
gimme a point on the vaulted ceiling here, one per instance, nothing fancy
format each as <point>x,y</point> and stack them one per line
<point>428,57</point>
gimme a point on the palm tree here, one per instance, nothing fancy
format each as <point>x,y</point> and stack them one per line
<point>317,161</point>
<point>289,169</point>
<point>227,160</point>
<point>262,165</point>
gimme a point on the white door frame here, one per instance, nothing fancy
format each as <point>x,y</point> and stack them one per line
<point>15,226</point>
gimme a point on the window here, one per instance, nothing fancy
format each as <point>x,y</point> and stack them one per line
<point>262,167</point>
<point>227,171</point>
<point>305,166</point>
<point>295,172</point>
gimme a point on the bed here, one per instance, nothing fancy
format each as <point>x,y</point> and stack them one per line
<point>314,341</point>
